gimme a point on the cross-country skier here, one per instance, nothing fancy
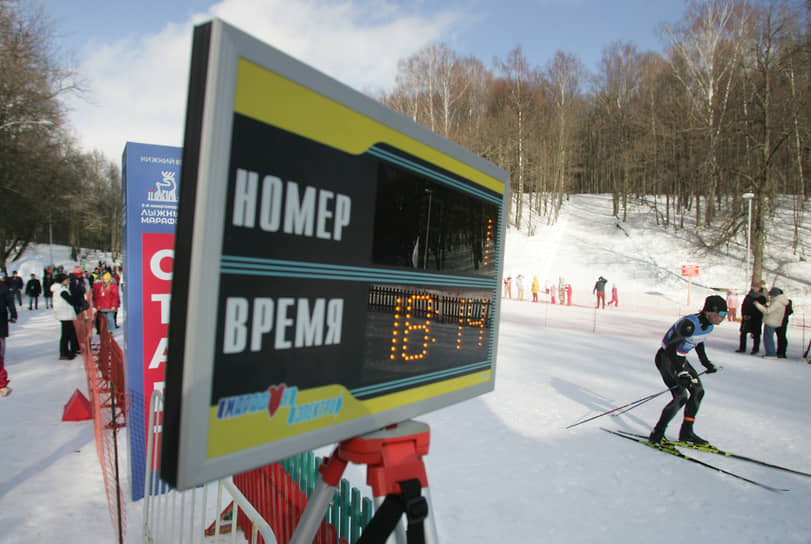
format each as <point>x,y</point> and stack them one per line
<point>687,333</point>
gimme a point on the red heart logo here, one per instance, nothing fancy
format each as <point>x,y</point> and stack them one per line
<point>275,401</point>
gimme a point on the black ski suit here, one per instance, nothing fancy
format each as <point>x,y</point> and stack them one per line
<point>684,335</point>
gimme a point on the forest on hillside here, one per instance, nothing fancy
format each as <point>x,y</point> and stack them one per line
<point>723,113</point>
<point>717,126</point>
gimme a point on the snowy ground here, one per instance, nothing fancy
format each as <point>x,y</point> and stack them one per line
<point>502,467</point>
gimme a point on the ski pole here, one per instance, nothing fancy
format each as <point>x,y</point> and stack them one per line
<point>631,405</point>
<point>643,401</point>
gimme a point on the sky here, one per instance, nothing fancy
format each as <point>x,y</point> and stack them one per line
<point>134,56</point>
<point>502,467</point>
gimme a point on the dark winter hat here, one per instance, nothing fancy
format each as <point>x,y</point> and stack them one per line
<point>715,303</point>
<point>775,291</point>
<point>60,278</point>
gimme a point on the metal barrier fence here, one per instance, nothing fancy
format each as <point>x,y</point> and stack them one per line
<point>266,503</point>
<point>176,517</point>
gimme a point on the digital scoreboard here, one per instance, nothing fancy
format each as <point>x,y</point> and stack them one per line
<point>337,267</point>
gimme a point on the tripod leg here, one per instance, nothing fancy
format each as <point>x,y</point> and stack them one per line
<point>314,513</point>
<point>398,536</point>
<point>431,535</point>
<point>317,504</point>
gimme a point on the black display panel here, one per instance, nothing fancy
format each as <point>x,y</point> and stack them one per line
<point>431,226</point>
<point>418,312</point>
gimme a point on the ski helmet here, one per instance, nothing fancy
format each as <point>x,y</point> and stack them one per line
<point>715,303</point>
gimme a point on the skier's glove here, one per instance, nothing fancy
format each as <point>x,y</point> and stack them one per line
<point>710,367</point>
<point>685,379</point>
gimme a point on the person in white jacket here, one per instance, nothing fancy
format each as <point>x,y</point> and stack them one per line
<point>772,319</point>
<point>65,313</point>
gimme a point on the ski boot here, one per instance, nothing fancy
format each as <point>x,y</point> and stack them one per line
<point>686,434</point>
<point>657,435</point>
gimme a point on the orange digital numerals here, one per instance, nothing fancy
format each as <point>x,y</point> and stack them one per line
<point>403,318</point>
<point>411,337</point>
<point>488,242</point>
<point>470,316</point>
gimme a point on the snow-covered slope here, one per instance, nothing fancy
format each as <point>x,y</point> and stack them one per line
<point>503,467</point>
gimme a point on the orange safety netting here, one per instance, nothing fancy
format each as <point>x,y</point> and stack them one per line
<point>104,367</point>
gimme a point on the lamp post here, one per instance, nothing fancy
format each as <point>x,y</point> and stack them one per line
<point>51,239</point>
<point>748,197</point>
<point>427,227</point>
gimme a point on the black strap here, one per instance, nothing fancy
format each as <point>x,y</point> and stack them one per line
<point>412,503</point>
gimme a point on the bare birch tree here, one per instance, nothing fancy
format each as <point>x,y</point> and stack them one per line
<point>705,52</point>
<point>619,84</point>
<point>516,72</point>
<point>564,76</point>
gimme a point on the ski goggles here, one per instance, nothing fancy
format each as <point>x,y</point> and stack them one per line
<point>722,314</point>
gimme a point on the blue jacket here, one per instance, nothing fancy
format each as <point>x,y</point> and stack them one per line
<point>686,334</point>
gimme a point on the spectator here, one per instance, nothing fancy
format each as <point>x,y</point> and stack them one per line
<point>780,332</point>
<point>732,304</point>
<point>519,281</point>
<point>118,277</point>
<point>553,292</point>
<point>508,288</point>
<point>599,288</point>
<point>614,296</point>
<point>773,315</point>
<point>534,288</point>
<point>751,317</point>
<point>106,300</point>
<point>15,285</point>
<point>78,289</point>
<point>65,313</point>
<point>47,281</point>
<point>32,290</point>
<point>8,314</point>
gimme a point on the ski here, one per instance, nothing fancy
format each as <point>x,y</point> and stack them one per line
<point>712,449</point>
<point>673,451</point>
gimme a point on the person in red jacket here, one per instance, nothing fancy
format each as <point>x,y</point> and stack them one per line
<point>106,299</point>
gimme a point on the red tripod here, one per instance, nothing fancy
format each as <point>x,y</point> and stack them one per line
<point>396,473</point>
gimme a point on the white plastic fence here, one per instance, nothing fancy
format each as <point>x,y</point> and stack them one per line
<point>177,517</point>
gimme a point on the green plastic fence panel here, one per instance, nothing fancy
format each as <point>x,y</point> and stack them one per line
<point>300,471</point>
<point>306,475</point>
<point>348,513</point>
<point>354,514</point>
<point>343,530</point>
<point>314,462</point>
<point>367,511</point>
<point>335,511</point>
